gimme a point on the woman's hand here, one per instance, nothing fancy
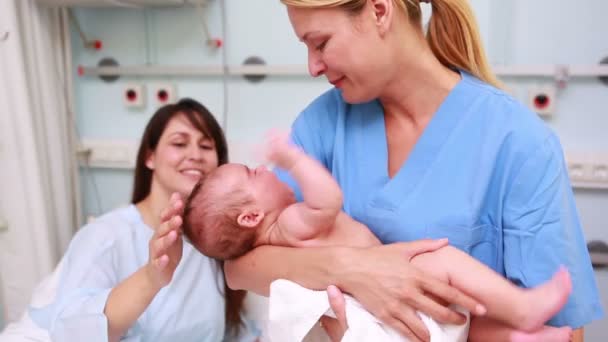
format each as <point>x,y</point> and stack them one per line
<point>383,281</point>
<point>335,327</point>
<point>165,246</point>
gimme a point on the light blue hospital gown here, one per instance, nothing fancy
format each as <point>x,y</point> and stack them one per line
<point>486,173</point>
<point>107,251</point>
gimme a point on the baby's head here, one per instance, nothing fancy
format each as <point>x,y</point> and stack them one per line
<point>226,210</point>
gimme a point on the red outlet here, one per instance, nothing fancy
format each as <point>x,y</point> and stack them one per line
<point>133,95</point>
<point>164,93</point>
<point>542,101</point>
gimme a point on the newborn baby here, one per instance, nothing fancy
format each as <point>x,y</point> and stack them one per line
<point>235,209</point>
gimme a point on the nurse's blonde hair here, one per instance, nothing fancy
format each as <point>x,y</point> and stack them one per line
<point>452,34</point>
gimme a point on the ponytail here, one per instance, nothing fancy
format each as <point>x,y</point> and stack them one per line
<point>454,38</point>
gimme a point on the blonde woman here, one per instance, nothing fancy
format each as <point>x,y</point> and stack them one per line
<point>425,145</point>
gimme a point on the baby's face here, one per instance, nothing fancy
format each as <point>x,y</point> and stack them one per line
<point>270,193</point>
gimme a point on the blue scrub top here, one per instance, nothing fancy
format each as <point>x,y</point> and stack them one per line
<point>486,173</point>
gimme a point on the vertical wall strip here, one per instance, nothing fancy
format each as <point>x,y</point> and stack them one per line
<point>500,43</point>
<point>225,70</point>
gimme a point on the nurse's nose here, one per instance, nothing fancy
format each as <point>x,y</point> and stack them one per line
<point>316,67</point>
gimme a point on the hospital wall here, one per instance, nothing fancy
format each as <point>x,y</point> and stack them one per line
<point>515,32</point>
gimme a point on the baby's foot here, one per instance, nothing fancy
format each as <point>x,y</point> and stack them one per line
<point>545,300</point>
<point>545,333</point>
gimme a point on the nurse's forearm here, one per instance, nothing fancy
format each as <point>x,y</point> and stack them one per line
<point>313,268</point>
<point>127,301</point>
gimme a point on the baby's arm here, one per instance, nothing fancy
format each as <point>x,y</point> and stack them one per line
<point>321,193</point>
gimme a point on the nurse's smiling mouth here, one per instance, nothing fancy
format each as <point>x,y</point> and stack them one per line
<point>337,82</point>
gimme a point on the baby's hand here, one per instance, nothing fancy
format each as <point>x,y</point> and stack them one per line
<point>279,150</point>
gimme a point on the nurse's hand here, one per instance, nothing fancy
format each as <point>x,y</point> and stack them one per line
<point>165,246</point>
<point>386,284</point>
<point>335,327</point>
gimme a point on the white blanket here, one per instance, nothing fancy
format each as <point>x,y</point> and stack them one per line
<point>294,312</point>
<point>25,329</point>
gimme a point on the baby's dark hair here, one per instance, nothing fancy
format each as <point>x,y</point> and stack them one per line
<point>210,220</point>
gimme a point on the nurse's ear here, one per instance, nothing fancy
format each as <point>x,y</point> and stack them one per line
<point>382,13</point>
<point>250,217</point>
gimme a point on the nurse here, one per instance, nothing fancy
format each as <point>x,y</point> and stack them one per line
<point>124,277</point>
<point>425,145</point>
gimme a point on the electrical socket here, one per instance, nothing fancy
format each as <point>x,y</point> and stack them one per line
<point>134,96</point>
<point>110,153</point>
<point>588,170</point>
<point>163,93</point>
<point>599,173</point>
<point>577,171</point>
<point>542,100</point>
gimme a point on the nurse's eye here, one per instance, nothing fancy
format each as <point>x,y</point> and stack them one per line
<point>321,46</point>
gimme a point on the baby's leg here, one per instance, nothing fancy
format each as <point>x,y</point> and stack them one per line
<point>523,309</point>
<point>483,329</point>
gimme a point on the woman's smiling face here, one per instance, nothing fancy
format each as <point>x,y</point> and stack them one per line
<point>183,155</point>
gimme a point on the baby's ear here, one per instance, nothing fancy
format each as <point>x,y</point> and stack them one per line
<point>250,218</point>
